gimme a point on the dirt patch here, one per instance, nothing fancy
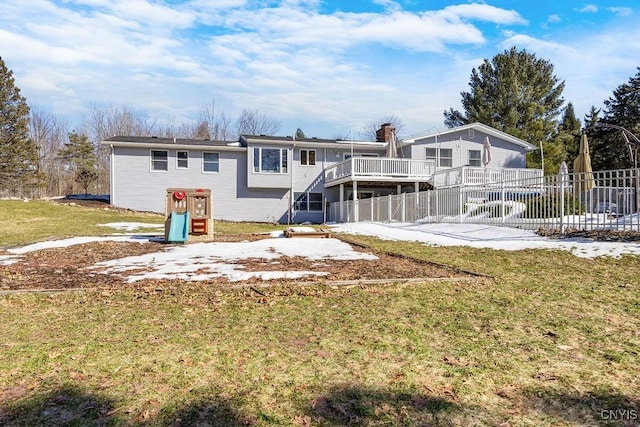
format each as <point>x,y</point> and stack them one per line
<point>65,268</point>
<point>94,203</point>
<point>596,235</point>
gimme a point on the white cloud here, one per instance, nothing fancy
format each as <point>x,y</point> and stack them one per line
<point>588,8</point>
<point>554,19</point>
<point>591,74</point>
<point>484,12</point>
<point>339,69</point>
<point>388,4</point>
<point>621,11</point>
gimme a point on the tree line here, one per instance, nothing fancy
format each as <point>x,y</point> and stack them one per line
<point>518,93</point>
<point>515,92</point>
<point>40,156</point>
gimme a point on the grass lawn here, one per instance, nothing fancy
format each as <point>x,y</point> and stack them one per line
<point>551,339</point>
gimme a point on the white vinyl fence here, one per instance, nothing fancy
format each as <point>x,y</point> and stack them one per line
<point>603,200</point>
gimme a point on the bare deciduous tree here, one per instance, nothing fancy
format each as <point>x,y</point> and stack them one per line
<point>49,132</point>
<point>369,131</point>
<point>108,121</point>
<point>253,122</point>
<point>211,124</point>
<point>216,123</point>
<point>112,120</point>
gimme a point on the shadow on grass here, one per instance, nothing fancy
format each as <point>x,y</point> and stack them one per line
<point>602,407</point>
<point>205,412</point>
<point>342,405</point>
<point>357,405</point>
<point>67,406</point>
<point>72,406</point>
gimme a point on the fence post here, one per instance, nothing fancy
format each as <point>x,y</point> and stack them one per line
<point>503,199</point>
<point>371,198</point>
<point>562,205</point>
<point>403,200</point>
<point>460,203</point>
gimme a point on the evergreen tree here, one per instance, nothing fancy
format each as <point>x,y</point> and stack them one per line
<point>516,93</point>
<point>18,153</point>
<point>569,133</point>
<point>597,137</point>
<point>80,157</point>
<point>300,134</point>
<point>592,117</point>
<point>623,110</point>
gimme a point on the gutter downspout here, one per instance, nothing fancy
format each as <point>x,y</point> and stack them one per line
<point>290,211</point>
<point>111,173</point>
<point>324,188</point>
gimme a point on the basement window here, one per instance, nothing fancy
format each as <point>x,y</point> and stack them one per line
<point>308,201</point>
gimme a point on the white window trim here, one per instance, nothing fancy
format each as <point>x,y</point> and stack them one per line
<point>308,150</point>
<point>203,162</point>
<point>441,157</point>
<point>308,201</point>
<point>178,159</point>
<point>479,158</point>
<point>151,169</point>
<point>260,171</point>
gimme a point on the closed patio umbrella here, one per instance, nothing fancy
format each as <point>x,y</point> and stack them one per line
<point>392,146</point>
<point>486,151</point>
<point>583,174</point>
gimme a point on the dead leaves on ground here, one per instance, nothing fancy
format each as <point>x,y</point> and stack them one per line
<point>65,268</point>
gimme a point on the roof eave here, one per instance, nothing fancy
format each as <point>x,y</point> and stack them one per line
<point>179,146</point>
<point>487,129</point>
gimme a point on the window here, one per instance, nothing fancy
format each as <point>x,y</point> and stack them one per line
<point>431,154</point>
<point>182,159</point>
<point>474,157</point>
<point>446,157</point>
<point>471,133</point>
<point>159,160</point>
<point>210,162</point>
<point>270,160</point>
<point>308,157</point>
<point>311,202</point>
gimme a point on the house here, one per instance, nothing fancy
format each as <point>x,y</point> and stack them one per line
<point>462,146</point>
<point>282,179</point>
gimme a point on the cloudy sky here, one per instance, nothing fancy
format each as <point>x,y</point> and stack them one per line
<point>327,67</point>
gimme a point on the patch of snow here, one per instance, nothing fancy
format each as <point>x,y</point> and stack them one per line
<point>486,236</point>
<point>130,226</point>
<point>8,259</point>
<point>210,260</point>
<point>302,229</point>
<point>65,243</point>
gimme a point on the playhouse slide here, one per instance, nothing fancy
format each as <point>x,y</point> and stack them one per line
<point>179,227</point>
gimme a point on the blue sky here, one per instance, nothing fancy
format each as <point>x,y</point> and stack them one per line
<point>327,67</point>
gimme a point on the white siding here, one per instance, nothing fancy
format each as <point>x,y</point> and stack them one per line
<point>503,154</point>
<point>135,186</point>
<point>265,179</point>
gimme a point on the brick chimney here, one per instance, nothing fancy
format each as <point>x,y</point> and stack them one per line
<point>384,133</point>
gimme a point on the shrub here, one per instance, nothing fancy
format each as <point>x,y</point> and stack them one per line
<point>548,206</point>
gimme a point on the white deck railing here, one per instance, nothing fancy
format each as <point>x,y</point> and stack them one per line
<point>601,200</point>
<point>470,175</point>
<point>379,168</point>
